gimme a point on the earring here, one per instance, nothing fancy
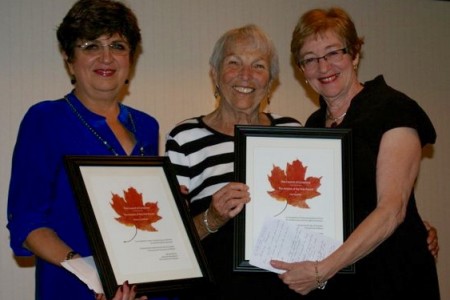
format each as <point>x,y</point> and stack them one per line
<point>216,92</point>
<point>127,81</point>
<point>73,80</point>
<point>267,108</point>
<point>306,81</point>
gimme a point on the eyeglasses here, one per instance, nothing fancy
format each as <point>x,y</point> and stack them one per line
<point>312,63</point>
<point>94,48</point>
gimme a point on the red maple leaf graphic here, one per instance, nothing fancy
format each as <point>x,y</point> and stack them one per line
<point>133,212</point>
<point>292,185</point>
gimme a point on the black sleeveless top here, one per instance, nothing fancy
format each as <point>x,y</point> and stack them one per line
<point>401,267</point>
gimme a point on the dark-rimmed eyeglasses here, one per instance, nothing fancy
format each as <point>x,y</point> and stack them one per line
<point>312,63</point>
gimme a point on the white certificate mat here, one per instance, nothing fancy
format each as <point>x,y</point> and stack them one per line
<point>163,254</point>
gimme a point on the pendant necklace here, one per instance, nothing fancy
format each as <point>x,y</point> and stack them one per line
<point>335,120</point>
<point>96,134</point>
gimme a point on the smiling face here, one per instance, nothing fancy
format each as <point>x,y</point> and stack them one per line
<point>334,81</point>
<point>100,75</point>
<point>243,77</point>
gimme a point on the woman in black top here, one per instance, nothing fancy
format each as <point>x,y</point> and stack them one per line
<point>389,130</point>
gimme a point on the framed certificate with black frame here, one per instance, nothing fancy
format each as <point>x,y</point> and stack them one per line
<point>296,174</point>
<point>137,223</point>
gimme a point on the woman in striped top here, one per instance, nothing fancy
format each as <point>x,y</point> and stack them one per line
<point>244,65</point>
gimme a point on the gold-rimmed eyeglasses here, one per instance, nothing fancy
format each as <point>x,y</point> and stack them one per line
<point>312,63</point>
<point>94,48</point>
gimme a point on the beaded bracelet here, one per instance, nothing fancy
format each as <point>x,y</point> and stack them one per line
<point>320,284</point>
<point>205,222</point>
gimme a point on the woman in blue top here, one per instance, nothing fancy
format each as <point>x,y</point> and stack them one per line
<point>98,41</point>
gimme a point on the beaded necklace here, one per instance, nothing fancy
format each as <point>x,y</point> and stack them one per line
<point>97,135</point>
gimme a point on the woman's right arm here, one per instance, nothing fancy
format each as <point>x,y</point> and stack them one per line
<point>46,244</point>
<point>34,166</point>
<point>226,203</point>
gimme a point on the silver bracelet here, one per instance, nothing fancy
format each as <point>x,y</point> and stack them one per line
<point>320,284</point>
<point>205,222</point>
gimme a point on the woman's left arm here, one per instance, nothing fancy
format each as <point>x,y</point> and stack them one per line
<point>397,168</point>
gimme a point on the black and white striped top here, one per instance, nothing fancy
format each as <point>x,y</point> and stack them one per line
<point>204,158</point>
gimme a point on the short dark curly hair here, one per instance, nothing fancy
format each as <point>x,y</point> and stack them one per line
<point>89,19</point>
